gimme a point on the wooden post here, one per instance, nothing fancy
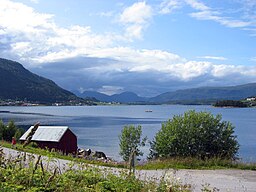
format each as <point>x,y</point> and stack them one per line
<point>132,161</point>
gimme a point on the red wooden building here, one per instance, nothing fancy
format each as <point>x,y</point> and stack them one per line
<point>60,138</point>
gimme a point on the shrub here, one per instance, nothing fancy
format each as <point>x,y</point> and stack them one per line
<point>195,134</point>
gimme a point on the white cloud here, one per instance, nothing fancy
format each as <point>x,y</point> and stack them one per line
<point>207,13</point>
<point>197,5</point>
<point>135,18</point>
<point>189,70</point>
<point>213,58</point>
<point>213,15</point>
<point>110,90</point>
<point>35,37</point>
<point>168,6</point>
<point>138,13</point>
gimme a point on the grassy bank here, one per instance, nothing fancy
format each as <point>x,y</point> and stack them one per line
<point>170,163</point>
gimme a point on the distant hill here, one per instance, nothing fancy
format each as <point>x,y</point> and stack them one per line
<point>17,83</point>
<point>206,94</point>
<point>125,97</point>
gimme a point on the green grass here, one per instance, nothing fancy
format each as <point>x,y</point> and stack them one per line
<point>193,163</point>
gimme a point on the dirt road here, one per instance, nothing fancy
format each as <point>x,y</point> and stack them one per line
<point>223,180</point>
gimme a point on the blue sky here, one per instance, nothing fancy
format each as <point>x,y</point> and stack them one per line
<point>147,47</point>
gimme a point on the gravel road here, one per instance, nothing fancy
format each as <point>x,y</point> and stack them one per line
<point>228,180</point>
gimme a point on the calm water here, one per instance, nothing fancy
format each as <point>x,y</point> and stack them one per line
<point>98,127</point>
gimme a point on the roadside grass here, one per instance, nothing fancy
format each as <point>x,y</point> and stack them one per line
<point>193,163</point>
<point>29,173</point>
<point>54,154</point>
<point>170,163</point>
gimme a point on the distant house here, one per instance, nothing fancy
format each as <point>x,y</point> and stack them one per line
<point>60,138</point>
<point>251,99</point>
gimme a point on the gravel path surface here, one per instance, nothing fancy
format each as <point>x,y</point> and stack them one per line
<point>223,180</point>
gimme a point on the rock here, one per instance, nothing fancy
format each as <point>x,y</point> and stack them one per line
<point>99,154</point>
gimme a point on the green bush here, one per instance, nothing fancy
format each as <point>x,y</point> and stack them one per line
<point>195,134</point>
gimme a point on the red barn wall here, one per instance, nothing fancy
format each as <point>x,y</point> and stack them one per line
<point>67,144</point>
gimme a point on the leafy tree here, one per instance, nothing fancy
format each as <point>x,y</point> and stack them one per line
<point>9,131</point>
<point>130,139</point>
<point>195,134</point>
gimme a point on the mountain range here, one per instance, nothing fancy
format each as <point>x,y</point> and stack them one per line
<point>17,83</point>
<point>207,94</point>
<point>125,97</point>
<point>201,95</point>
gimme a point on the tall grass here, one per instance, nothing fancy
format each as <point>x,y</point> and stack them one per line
<point>31,173</point>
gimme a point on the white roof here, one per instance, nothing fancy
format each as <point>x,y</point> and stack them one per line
<point>46,133</point>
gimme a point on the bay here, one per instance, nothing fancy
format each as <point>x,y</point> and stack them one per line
<point>98,127</point>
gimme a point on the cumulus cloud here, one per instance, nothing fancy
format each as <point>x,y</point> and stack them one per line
<point>135,18</point>
<point>35,36</point>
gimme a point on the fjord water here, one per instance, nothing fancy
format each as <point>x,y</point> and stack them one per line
<point>98,127</point>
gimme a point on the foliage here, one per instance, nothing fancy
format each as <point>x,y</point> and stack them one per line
<point>195,134</point>
<point>130,139</point>
<point>9,131</point>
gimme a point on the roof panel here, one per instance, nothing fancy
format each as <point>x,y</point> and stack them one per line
<point>46,133</point>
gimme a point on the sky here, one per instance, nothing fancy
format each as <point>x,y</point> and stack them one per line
<point>147,47</point>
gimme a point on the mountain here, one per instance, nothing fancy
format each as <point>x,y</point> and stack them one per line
<point>17,83</point>
<point>206,94</point>
<point>96,95</point>
<point>125,97</point>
